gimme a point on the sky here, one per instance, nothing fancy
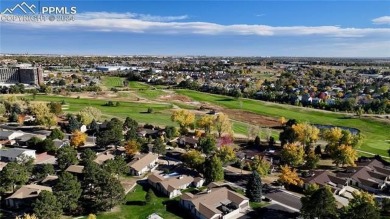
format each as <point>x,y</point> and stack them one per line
<point>212,28</point>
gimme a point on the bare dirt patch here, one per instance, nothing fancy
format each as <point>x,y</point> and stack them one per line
<point>175,97</point>
<point>251,118</point>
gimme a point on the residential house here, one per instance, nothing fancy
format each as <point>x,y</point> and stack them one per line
<point>220,203</point>
<point>190,141</point>
<point>25,195</point>
<point>9,135</point>
<point>101,158</point>
<point>369,175</point>
<point>13,154</point>
<point>60,143</point>
<point>324,178</point>
<point>171,184</point>
<point>75,169</point>
<point>153,133</point>
<point>23,140</point>
<point>143,163</point>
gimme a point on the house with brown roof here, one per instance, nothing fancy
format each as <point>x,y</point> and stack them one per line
<point>191,141</point>
<point>103,157</point>
<point>369,175</point>
<point>75,169</point>
<point>324,178</point>
<point>25,195</point>
<point>143,164</point>
<point>171,184</point>
<point>215,203</point>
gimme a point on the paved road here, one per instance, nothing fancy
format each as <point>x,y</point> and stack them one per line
<point>284,198</point>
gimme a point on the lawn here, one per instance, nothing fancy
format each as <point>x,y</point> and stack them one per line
<point>135,207</point>
<point>375,133</point>
<point>110,82</point>
<point>149,94</point>
<point>138,85</point>
<point>161,115</point>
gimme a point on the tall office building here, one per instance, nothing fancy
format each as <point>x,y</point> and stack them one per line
<point>25,75</point>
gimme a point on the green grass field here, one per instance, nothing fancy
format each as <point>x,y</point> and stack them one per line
<point>110,82</point>
<point>134,110</point>
<point>149,94</point>
<point>138,85</point>
<point>375,133</point>
<point>134,207</point>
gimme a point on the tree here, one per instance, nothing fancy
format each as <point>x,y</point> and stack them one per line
<point>78,139</point>
<point>42,114</point>
<point>184,118</point>
<point>27,216</point>
<point>345,155</point>
<point>55,108</point>
<point>56,134</point>
<point>89,113</point>
<point>311,188</point>
<point>68,191</point>
<point>101,191</point>
<point>14,174</point>
<point>320,204</point>
<point>131,126</point>
<point>47,206</point>
<point>312,160</point>
<point>207,144</point>
<point>66,156</point>
<point>254,187</point>
<point>293,154</point>
<point>289,176</point>
<point>171,131</point>
<point>213,169</point>
<point>362,206</point>
<point>47,145</point>
<point>159,146</point>
<point>132,147</point>
<point>333,136</point>
<point>41,171</point>
<point>87,156</point>
<point>206,123</point>
<point>257,141</point>
<point>222,124</point>
<point>226,154</point>
<point>261,165</point>
<point>318,150</point>
<point>93,128</point>
<point>73,124</point>
<point>150,197</point>
<point>305,133</point>
<point>194,159</point>
<point>282,121</point>
<point>112,134</point>
<point>91,216</point>
<point>116,167</point>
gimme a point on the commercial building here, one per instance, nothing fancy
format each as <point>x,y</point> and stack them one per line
<point>22,74</point>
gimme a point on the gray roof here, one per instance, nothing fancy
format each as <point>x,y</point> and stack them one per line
<point>13,152</point>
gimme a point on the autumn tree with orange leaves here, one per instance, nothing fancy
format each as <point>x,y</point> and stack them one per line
<point>289,176</point>
<point>78,139</point>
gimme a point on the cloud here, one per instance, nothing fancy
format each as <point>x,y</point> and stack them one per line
<point>141,23</point>
<point>129,15</point>
<point>382,20</point>
<point>260,15</point>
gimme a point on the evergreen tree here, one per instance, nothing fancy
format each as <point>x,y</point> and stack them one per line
<point>320,204</point>
<point>66,156</point>
<point>56,134</point>
<point>47,206</point>
<point>254,187</point>
<point>68,191</point>
<point>213,169</point>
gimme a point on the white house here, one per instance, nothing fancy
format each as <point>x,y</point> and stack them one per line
<point>10,135</point>
<point>171,185</point>
<point>143,164</point>
<point>217,203</point>
<point>13,154</point>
